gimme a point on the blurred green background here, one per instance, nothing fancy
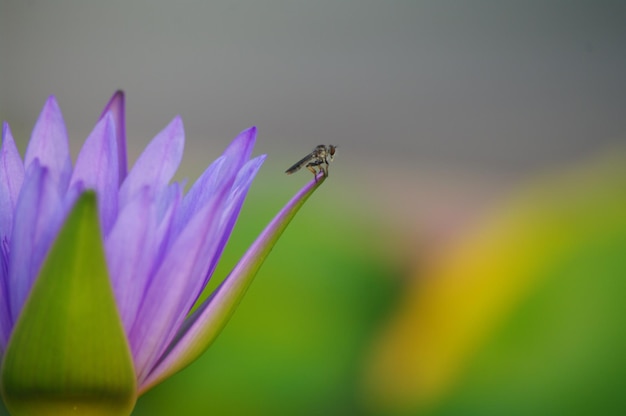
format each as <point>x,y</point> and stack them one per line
<point>466,255</point>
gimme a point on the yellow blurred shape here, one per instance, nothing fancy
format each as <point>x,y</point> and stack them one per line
<point>453,308</point>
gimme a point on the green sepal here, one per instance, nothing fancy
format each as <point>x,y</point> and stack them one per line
<point>68,353</point>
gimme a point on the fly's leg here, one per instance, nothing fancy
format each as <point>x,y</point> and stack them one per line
<point>312,169</point>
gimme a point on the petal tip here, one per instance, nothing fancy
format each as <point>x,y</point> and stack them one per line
<point>177,127</point>
<point>6,130</point>
<point>118,95</point>
<point>250,132</point>
<point>51,103</point>
<point>244,141</point>
<point>178,119</point>
<point>51,113</point>
<point>116,105</point>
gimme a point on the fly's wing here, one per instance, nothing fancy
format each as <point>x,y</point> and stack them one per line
<point>298,165</point>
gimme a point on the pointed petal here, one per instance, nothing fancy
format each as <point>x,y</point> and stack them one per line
<point>209,186</point>
<point>68,353</point>
<point>167,210</point>
<point>158,163</point>
<point>130,248</point>
<point>117,108</point>
<point>219,176</point>
<point>96,167</point>
<point>49,144</point>
<point>136,246</point>
<point>241,147</point>
<point>230,211</point>
<point>11,178</point>
<point>6,324</point>
<point>202,327</point>
<point>171,286</point>
<point>185,272</point>
<point>38,216</point>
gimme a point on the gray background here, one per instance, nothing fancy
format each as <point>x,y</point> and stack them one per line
<point>412,91</point>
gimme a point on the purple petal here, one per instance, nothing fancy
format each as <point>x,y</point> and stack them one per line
<point>219,175</point>
<point>184,273</point>
<point>96,168</point>
<point>11,178</point>
<point>49,144</point>
<point>135,247</point>
<point>170,195</point>
<point>157,164</point>
<point>207,187</point>
<point>130,249</point>
<point>167,210</point>
<point>5,319</point>
<point>175,279</point>
<point>117,108</point>
<point>201,327</point>
<point>230,211</point>
<point>241,146</point>
<point>38,216</point>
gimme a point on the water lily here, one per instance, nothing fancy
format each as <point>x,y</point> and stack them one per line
<point>101,266</point>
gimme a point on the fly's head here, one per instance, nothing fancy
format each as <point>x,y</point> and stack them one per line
<point>330,151</point>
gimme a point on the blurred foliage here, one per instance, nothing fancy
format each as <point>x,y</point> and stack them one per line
<point>298,341</point>
<point>526,316</point>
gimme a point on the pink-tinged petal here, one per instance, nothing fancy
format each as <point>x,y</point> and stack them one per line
<point>11,178</point>
<point>96,167</point>
<point>204,325</point>
<point>130,251</point>
<point>185,272</point>
<point>49,144</point>
<point>38,216</point>
<point>117,108</point>
<point>157,164</point>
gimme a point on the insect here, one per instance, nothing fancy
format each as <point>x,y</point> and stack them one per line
<point>319,158</point>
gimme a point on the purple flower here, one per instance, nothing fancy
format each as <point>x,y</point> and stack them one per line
<point>161,244</point>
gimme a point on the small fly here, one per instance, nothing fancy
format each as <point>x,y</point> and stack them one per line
<point>319,158</point>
